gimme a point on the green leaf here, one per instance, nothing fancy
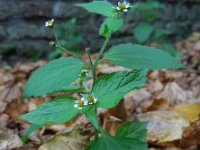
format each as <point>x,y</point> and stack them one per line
<point>110,25</point>
<point>59,110</point>
<point>28,131</point>
<point>169,48</point>
<point>110,88</point>
<point>90,113</point>
<point>53,76</point>
<point>108,142</point>
<point>72,88</point>
<point>140,57</point>
<point>160,33</point>
<point>143,31</point>
<point>134,130</point>
<point>99,7</point>
<point>147,6</point>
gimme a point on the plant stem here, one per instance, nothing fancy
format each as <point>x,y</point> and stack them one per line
<point>63,48</point>
<point>105,44</point>
<point>93,68</point>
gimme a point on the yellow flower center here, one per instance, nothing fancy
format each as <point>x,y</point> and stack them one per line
<point>80,103</point>
<point>122,6</point>
<point>50,23</point>
<point>90,99</point>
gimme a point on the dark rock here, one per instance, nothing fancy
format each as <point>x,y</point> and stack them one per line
<point>7,9</point>
<point>33,9</point>
<point>2,33</point>
<point>65,10</point>
<point>27,31</point>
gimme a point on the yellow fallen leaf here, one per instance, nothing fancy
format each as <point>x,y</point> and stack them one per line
<point>164,126</point>
<point>191,111</point>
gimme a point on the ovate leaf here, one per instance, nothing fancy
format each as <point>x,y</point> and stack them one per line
<point>29,130</point>
<point>134,130</point>
<point>72,88</point>
<point>108,142</point>
<point>53,76</point>
<point>110,88</point>
<point>59,110</point>
<point>169,48</point>
<point>143,31</point>
<point>91,115</point>
<point>110,25</point>
<point>99,7</point>
<point>140,57</point>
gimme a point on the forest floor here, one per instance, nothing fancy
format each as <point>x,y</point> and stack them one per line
<point>170,101</point>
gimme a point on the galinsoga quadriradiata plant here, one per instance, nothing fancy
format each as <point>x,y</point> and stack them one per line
<point>106,91</point>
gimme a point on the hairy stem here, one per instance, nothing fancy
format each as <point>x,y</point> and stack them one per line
<point>63,48</point>
<point>105,44</point>
<point>93,68</point>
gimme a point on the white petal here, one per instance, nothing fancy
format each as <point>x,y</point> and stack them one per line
<point>119,3</point>
<point>125,10</point>
<point>118,8</point>
<point>95,100</point>
<point>46,24</point>
<point>52,20</point>
<point>76,105</point>
<point>85,103</point>
<point>76,101</point>
<point>80,108</point>
<point>83,99</point>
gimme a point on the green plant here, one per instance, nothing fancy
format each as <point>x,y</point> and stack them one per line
<point>67,37</point>
<point>144,31</point>
<point>106,91</point>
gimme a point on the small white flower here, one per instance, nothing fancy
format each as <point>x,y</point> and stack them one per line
<point>80,103</point>
<point>91,99</point>
<point>49,23</point>
<point>123,6</point>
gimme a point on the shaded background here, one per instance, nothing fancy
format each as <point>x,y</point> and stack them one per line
<point>24,37</point>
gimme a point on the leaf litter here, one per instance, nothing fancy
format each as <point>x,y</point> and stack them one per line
<point>170,101</point>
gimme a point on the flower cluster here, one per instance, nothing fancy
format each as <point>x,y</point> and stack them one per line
<point>90,99</point>
<point>49,23</point>
<point>123,6</point>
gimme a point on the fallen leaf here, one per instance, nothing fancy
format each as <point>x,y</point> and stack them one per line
<point>70,141</point>
<point>191,135</point>
<point>191,111</point>
<point>158,104</point>
<point>173,93</point>
<point>164,126</point>
<point>156,86</point>
<point>4,119</point>
<point>9,140</point>
<point>137,95</point>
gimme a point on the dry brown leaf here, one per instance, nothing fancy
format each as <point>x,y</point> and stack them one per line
<point>8,139</point>
<point>156,86</point>
<point>110,123</point>
<point>70,141</point>
<point>12,81</point>
<point>191,111</point>
<point>137,95</point>
<point>2,106</point>
<point>164,126</point>
<point>191,135</point>
<point>15,113</point>
<point>158,104</point>
<point>4,119</point>
<point>173,93</point>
